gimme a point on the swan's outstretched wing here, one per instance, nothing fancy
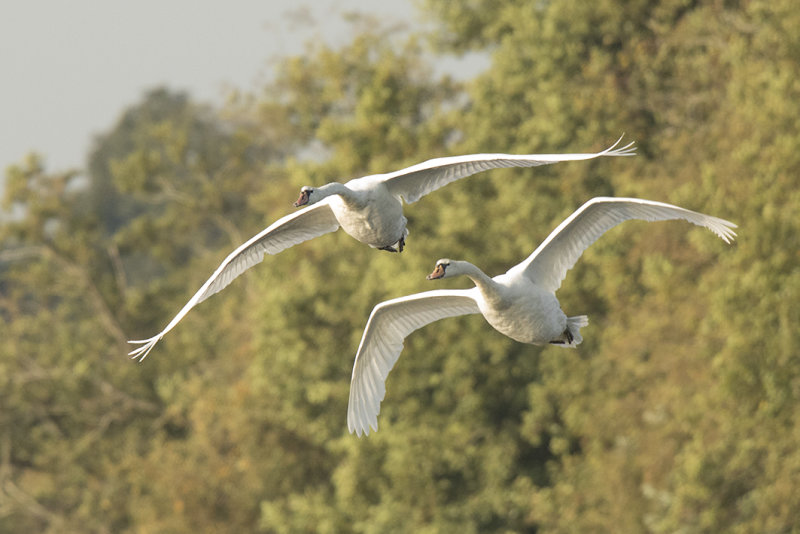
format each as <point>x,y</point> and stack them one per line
<point>389,324</point>
<point>418,180</point>
<point>549,263</point>
<point>295,228</point>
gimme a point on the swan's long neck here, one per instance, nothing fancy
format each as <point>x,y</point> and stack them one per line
<point>335,188</point>
<point>485,283</point>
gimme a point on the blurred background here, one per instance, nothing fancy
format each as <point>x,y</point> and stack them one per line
<point>141,144</point>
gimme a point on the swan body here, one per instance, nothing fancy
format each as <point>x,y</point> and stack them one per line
<point>372,215</point>
<point>369,208</point>
<point>522,311</point>
<point>520,303</point>
<point>512,305</point>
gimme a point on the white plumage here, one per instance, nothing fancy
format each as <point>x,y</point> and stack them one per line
<point>368,208</point>
<point>520,303</point>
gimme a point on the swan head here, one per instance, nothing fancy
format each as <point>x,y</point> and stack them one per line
<point>312,195</point>
<point>305,197</point>
<point>440,271</point>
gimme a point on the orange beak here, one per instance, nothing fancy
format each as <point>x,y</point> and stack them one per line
<point>303,200</point>
<point>437,273</point>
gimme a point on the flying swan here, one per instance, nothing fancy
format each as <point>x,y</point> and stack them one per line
<point>520,303</point>
<point>368,208</point>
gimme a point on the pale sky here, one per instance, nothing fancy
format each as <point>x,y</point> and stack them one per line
<point>68,69</point>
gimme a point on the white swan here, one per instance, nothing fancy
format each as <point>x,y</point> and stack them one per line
<point>367,208</point>
<point>520,303</point>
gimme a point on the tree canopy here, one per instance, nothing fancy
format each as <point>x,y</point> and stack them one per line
<point>676,413</point>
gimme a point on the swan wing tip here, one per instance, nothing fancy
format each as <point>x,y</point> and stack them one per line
<point>361,423</point>
<point>359,428</point>
<point>725,230</point>
<point>627,150</point>
<point>146,346</point>
<point>728,235</point>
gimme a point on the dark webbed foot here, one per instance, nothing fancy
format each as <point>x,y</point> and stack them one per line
<point>569,339</point>
<point>391,248</point>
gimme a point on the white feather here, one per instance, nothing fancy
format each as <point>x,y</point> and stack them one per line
<point>295,228</point>
<point>388,325</point>
<point>418,180</point>
<point>549,263</point>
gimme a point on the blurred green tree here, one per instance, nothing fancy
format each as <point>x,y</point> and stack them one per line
<point>675,414</point>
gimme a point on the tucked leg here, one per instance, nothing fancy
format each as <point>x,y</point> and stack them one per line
<point>397,247</point>
<point>566,340</point>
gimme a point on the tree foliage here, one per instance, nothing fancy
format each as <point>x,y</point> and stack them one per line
<point>675,414</point>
